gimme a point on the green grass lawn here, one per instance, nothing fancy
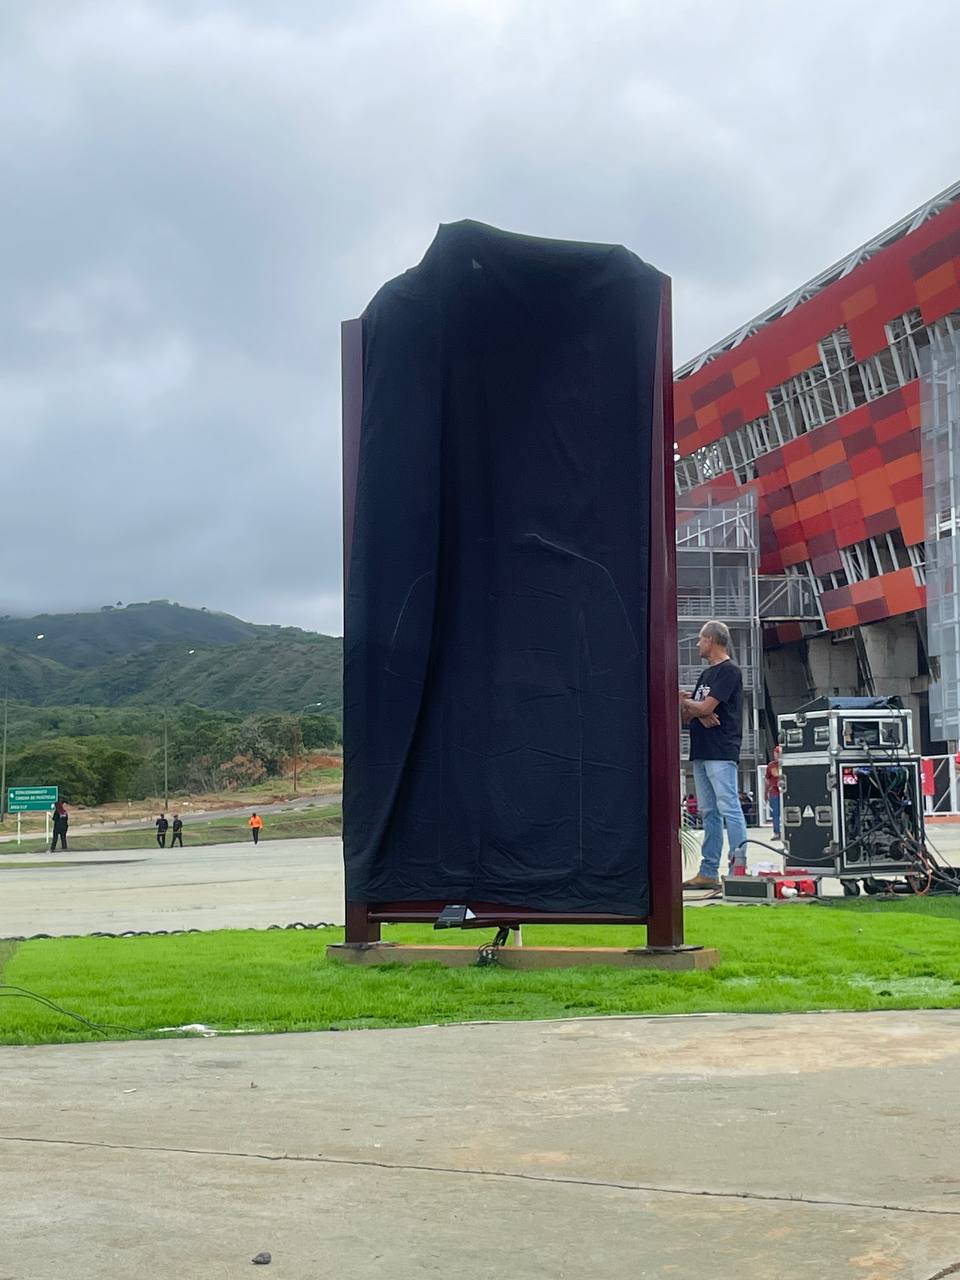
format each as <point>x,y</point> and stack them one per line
<point>317,820</point>
<point>853,954</point>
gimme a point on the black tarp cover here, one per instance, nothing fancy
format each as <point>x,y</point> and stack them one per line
<point>495,700</point>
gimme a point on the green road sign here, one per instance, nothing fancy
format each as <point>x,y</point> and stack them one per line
<point>31,799</point>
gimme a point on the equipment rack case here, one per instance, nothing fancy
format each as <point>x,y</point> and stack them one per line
<point>850,783</point>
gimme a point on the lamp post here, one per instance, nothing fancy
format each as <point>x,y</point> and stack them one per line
<point>296,743</point>
<point>166,760</point>
<point>3,749</point>
<point>3,754</point>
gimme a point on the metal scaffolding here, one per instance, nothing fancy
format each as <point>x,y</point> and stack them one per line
<point>940,434</point>
<point>717,577</point>
<point>787,598</point>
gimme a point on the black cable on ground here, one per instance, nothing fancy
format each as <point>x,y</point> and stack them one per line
<point>157,933</point>
<point>22,993</point>
<point>10,992</point>
<point>781,853</point>
<point>489,952</point>
<point>925,855</point>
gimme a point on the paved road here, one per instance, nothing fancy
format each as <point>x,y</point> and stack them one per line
<point>226,886</point>
<point>233,886</point>
<point>721,1148</point>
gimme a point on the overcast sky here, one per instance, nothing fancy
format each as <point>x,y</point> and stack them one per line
<point>195,193</point>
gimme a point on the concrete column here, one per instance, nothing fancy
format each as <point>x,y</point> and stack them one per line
<point>891,650</point>
<point>833,667</point>
<point>786,677</point>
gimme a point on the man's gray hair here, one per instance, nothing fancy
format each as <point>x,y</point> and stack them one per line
<point>718,632</point>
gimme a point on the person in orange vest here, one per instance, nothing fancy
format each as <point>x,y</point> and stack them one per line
<point>256,826</point>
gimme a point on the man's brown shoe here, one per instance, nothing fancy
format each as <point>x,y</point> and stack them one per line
<point>702,882</point>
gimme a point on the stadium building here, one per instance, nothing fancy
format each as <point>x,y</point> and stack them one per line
<point>806,444</point>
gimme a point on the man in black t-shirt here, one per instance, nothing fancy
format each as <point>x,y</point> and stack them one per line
<point>714,713</point>
<point>162,826</point>
<point>177,831</point>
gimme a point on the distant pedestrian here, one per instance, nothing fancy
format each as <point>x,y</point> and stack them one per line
<point>773,791</point>
<point>747,805</point>
<point>256,826</point>
<point>162,826</point>
<point>177,831</point>
<point>61,820</point>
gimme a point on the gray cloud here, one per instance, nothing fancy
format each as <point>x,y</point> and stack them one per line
<point>196,193</point>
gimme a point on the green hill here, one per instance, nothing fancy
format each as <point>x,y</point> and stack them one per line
<point>88,639</point>
<point>163,653</point>
<point>30,678</point>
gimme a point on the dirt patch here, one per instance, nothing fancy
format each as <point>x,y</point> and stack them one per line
<point>795,1046</point>
<point>280,790</point>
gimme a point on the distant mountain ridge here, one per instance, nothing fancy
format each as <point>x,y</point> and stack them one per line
<point>140,654</point>
<point>86,639</point>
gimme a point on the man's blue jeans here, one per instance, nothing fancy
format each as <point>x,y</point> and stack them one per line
<point>719,803</point>
<point>775,813</point>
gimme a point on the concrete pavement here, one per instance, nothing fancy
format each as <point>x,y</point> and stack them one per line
<point>228,886</point>
<point>778,1148</point>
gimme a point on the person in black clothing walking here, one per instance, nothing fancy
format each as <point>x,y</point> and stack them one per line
<point>61,821</point>
<point>162,824</point>
<point>177,831</point>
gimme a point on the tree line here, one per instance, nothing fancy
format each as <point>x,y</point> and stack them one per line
<point>100,755</point>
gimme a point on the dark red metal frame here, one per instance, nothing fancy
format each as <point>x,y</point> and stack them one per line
<point>665,920</point>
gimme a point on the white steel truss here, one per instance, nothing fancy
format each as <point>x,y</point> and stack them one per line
<point>825,278</point>
<point>816,396</point>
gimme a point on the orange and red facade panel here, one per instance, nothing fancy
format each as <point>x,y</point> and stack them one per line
<point>860,475</point>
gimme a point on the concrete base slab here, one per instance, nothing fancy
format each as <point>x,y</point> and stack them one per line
<point>681,959</point>
<point>721,1147</point>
